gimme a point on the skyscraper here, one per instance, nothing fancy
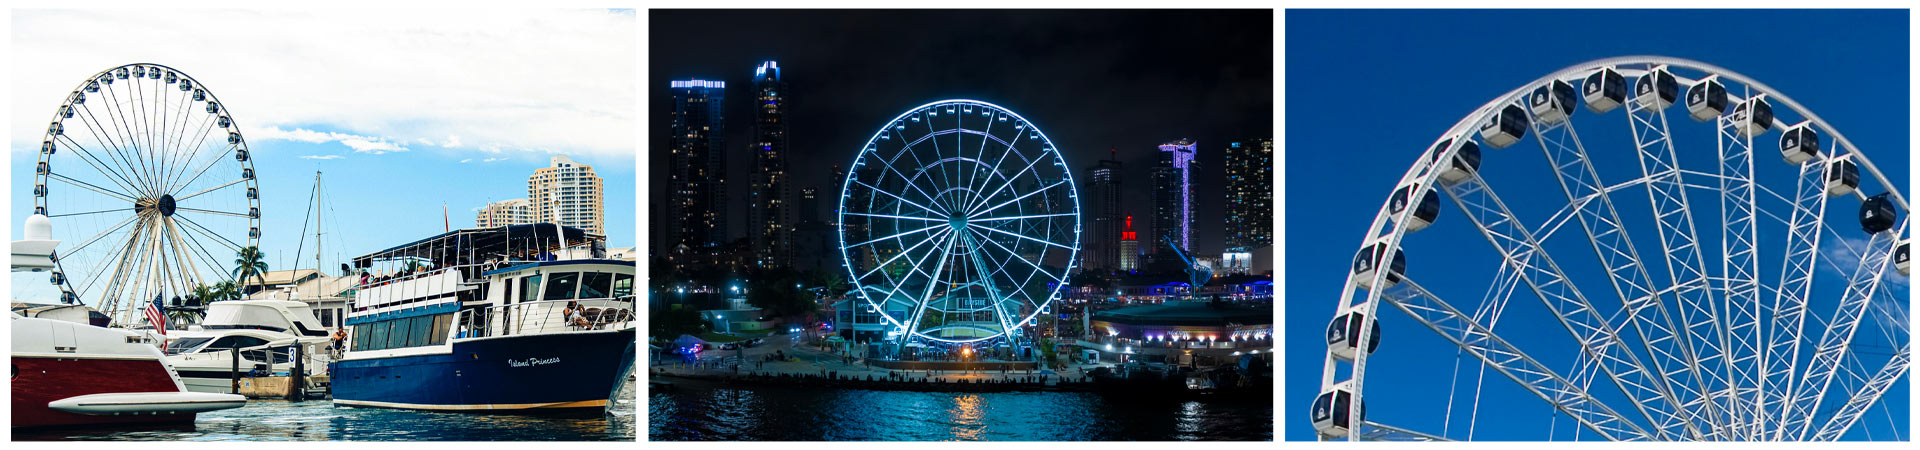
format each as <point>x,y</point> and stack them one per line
<point>503,213</point>
<point>770,215</point>
<point>1102,216</point>
<point>569,194</point>
<point>1129,246</point>
<point>809,205</point>
<point>697,166</point>
<point>1173,198</point>
<point>1249,166</point>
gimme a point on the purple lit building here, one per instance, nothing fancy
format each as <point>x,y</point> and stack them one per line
<point>1173,198</point>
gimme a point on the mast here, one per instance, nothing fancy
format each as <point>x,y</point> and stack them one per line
<point>317,223</point>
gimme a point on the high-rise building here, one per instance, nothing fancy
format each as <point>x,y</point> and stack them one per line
<point>809,205</point>
<point>503,213</point>
<point>1173,198</point>
<point>697,166</point>
<point>1102,215</point>
<point>770,214</point>
<point>835,186</point>
<point>1129,246</point>
<point>1249,166</point>
<point>569,194</point>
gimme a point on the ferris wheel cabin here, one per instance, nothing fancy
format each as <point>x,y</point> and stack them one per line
<point>1505,127</point>
<point>1761,120</point>
<point>1843,177</point>
<point>1331,407</point>
<point>1372,257</point>
<point>1425,211</point>
<point>1604,90</point>
<point>1903,257</point>
<point>1343,335</point>
<point>1465,161</point>
<point>1551,102</point>
<point>1877,214</point>
<point>1657,89</point>
<point>1799,143</point>
<point>1707,99</point>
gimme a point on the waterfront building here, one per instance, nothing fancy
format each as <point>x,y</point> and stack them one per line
<point>696,212</point>
<point>1188,333</point>
<point>569,194</point>
<point>1129,247</point>
<point>770,215</point>
<point>1173,198</point>
<point>1249,212</point>
<point>505,212</point>
<point>1102,217</point>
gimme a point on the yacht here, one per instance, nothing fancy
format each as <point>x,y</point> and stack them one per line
<point>265,331</point>
<point>522,318</point>
<point>68,373</point>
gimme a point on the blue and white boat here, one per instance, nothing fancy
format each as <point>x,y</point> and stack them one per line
<point>477,321</point>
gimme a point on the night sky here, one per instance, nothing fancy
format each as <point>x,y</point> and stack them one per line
<point>1093,80</point>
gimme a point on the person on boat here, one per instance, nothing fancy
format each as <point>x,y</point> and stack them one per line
<point>574,315</point>
<point>339,340</point>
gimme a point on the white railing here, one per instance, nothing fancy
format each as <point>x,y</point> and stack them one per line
<point>544,317</point>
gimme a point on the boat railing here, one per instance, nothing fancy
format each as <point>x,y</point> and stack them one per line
<point>545,317</point>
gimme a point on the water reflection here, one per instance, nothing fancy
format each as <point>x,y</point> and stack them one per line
<point>693,411</point>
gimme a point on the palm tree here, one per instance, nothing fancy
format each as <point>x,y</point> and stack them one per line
<point>250,262</point>
<point>202,294</point>
<point>226,290</point>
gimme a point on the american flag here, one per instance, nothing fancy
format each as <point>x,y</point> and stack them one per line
<point>157,316</point>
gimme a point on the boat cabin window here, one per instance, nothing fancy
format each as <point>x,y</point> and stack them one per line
<point>529,288</point>
<point>183,345</point>
<point>562,286</point>
<point>231,342</point>
<point>397,336</point>
<point>401,333</point>
<point>595,284</point>
<point>622,285</point>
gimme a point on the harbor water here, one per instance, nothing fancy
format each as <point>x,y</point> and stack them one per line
<point>696,411</point>
<point>319,420</point>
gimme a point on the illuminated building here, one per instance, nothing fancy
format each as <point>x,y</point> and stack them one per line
<point>1249,212</point>
<point>1173,196</point>
<point>697,166</point>
<point>1129,247</point>
<point>1102,215</point>
<point>770,215</point>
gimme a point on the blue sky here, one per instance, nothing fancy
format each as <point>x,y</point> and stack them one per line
<point>404,110</point>
<point>1369,90</point>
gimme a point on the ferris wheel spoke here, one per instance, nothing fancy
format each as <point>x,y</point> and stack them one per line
<point>897,197</point>
<point>1016,256</point>
<point>92,160</point>
<point>138,145</point>
<point>210,163</point>
<point>995,170</point>
<point>89,212</point>
<point>933,280</point>
<point>1510,361</point>
<point>1685,266</point>
<point>1596,334</point>
<point>985,277</point>
<point>1036,216</point>
<point>90,186</point>
<point>904,179</point>
<point>204,231</point>
<point>977,213</point>
<point>1868,394</point>
<point>209,211</point>
<point>114,148</point>
<point>1022,236</point>
<point>181,164</point>
<point>1740,265</point>
<point>899,235</point>
<point>1795,287</point>
<point>211,189</point>
<point>1861,286</point>
<point>981,201</point>
<point>936,238</point>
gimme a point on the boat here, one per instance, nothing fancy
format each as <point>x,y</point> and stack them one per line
<point>477,320</point>
<point>264,330</point>
<point>67,373</point>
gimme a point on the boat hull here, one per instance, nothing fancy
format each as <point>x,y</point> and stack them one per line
<point>39,381</point>
<point>531,373</point>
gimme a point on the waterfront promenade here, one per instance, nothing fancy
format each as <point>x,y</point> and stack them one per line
<point>805,362</point>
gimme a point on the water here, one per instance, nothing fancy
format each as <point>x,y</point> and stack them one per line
<point>691,411</point>
<point>273,420</point>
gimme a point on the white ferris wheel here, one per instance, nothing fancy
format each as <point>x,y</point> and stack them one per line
<point>1730,275</point>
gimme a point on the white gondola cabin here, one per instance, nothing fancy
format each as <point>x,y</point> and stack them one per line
<point>1425,203</point>
<point>1505,127</point>
<point>1465,161</point>
<point>1604,90</point>
<point>1343,335</point>
<point>1657,89</point>
<point>1799,143</point>
<point>1761,119</point>
<point>1903,257</point>
<point>1375,256</point>
<point>1843,177</point>
<point>1707,99</point>
<point>1551,102</point>
<point>1877,214</point>
<point>1330,410</point>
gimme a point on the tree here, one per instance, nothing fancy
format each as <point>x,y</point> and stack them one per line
<point>226,290</point>
<point>201,295</point>
<point>251,263</point>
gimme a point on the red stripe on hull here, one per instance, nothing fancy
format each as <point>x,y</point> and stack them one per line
<point>37,381</point>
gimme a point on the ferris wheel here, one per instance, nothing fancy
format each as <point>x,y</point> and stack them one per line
<point>1691,283</point>
<point>145,173</point>
<point>958,224</point>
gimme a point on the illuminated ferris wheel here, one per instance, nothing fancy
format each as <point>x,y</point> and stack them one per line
<point>150,188</point>
<point>958,224</point>
<point>1640,278</point>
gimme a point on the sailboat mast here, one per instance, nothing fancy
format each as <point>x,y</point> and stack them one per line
<point>318,207</point>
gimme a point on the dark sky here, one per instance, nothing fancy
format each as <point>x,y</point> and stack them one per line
<point>1093,80</point>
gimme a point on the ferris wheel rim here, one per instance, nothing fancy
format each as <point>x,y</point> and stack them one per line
<point>1424,173</point>
<point>164,201</point>
<point>970,211</point>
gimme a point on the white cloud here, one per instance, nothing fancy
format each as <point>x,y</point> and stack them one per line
<point>493,159</point>
<point>322,157</point>
<point>468,160</point>
<point>1845,253</point>
<point>361,144</point>
<point>499,80</point>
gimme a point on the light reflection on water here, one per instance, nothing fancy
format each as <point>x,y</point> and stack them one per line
<point>273,420</point>
<point>695,412</point>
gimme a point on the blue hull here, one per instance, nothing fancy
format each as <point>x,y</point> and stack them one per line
<point>566,371</point>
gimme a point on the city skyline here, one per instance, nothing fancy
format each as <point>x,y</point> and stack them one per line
<point>1220,93</point>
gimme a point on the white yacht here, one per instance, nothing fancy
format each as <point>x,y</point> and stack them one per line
<point>264,330</point>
